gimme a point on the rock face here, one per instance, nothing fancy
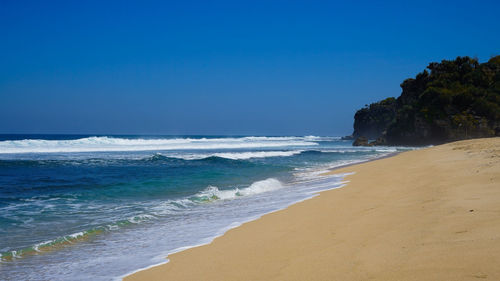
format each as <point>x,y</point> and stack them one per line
<point>351,137</point>
<point>373,120</point>
<point>450,100</point>
<point>361,141</point>
<point>379,141</point>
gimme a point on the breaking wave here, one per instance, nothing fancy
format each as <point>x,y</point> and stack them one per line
<point>210,194</point>
<point>95,144</point>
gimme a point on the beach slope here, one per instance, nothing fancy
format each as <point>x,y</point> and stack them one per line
<point>430,214</point>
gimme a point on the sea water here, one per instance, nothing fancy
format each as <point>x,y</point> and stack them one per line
<point>99,207</point>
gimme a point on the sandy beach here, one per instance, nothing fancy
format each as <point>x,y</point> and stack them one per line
<point>430,214</point>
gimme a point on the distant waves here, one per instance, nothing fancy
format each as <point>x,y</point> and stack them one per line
<point>103,144</point>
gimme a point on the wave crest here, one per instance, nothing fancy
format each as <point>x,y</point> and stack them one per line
<point>100,144</point>
<point>210,194</point>
<point>213,193</point>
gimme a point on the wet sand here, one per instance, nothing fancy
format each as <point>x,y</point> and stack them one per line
<point>430,214</point>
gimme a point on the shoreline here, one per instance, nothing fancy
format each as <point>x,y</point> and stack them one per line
<point>224,230</point>
<point>261,248</point>
<point>392,154</point>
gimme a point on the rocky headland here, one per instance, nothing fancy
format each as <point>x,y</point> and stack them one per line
<point>448,101</point>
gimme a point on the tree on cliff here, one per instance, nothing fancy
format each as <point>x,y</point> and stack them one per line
<point>450,100</point>
<point>373,120</point>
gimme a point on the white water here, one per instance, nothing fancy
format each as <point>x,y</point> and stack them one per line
<point>237,155</point>
<point>95,144</point>
<point>213,193</point>
<point>105,257</point>
<point>160,227</point>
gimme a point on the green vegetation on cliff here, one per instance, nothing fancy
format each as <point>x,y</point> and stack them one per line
<point>373,120</point>
<point>451,100</point>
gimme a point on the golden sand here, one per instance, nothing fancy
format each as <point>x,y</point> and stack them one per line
<point>431,214</point>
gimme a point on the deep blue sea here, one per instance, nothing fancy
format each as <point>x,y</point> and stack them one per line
<point>80,207</point>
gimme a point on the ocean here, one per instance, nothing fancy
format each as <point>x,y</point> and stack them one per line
<point>80,207</point>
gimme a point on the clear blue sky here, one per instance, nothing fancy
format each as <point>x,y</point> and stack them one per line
<point>221,67</point>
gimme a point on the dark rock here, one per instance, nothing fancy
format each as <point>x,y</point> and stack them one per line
<point>360,141</point>
<point>379,141</point>
<point>373,120</point>
<point>451,100</point>
<point>347,137</point>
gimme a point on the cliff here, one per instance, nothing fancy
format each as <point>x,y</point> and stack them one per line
<point>451,100</point>
<point>372,121</point>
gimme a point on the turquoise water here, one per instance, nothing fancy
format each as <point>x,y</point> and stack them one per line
<point>98,207</point>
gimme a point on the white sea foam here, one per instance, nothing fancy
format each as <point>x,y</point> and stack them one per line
<point>95,144</point>
<point>213,193</point>
<point>263,205</point>
<point>155,227</point>
<point>240,155</point>
<point>200,225</point>
<point>140,218</point>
